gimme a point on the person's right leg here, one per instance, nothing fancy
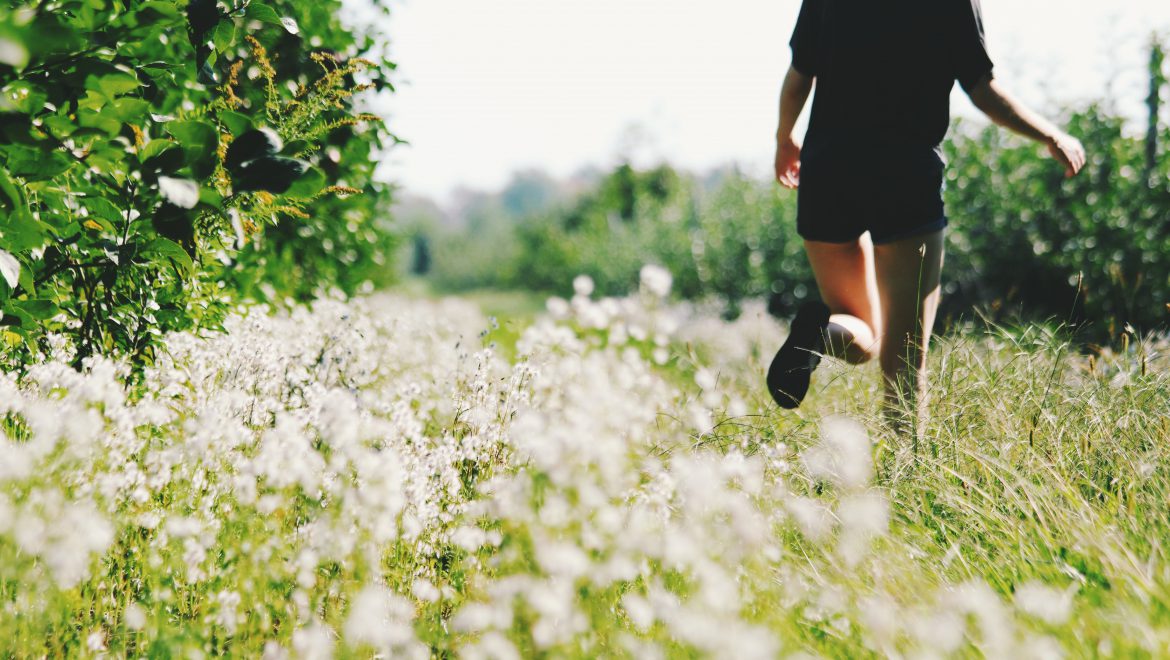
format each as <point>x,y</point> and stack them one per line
<point>908,276</point>
<point>845,277</point>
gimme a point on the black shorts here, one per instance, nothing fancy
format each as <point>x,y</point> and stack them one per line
<point>890,196</point>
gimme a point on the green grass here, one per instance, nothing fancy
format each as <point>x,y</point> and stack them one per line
<point>1040,461</point>
<point>1037,464</point>
<point>1040,464</point>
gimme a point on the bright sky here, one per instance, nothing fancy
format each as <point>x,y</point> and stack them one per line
<point>487,87</point>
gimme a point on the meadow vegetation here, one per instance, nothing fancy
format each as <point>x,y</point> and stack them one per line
<point>372,476</point>
<point>209,446</point>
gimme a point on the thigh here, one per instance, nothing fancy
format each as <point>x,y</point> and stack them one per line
<point>909,272</point>
<point>845,277</point>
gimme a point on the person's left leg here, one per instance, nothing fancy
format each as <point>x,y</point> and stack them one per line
<point>842,326</point>
<point>845,277</point>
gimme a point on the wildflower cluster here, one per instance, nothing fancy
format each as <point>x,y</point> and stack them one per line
<point>362,476</point>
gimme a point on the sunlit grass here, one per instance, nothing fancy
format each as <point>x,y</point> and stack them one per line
<point>611,482</point>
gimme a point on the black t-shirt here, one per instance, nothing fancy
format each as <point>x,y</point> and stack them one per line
<point>885,69</point>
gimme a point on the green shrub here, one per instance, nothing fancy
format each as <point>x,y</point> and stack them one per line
<point>1027,241</point>
<point>135,177</point>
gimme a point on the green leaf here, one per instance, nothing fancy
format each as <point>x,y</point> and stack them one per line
<point>26,281</point>
<point>37,309</point>
<point>310,183</point>
<point>60,126</point>
<point>165,248</point>
<point>9,269</point>
<point>14,318</point>
<point>183,193</point>
<point>166,161</point>
<point>93,115</point>
<point>156,147</point>
<point>210,198</point>
<point>224,35</point>
<point>37,164</point>
<point>8,187</point>
<point>114,85</point>
<point>193,134</point>
<point>100,207</point>
<point>20,231</point>
<point>130,111</point>
<point>290,24</point>
<point>23,96</point>
<point>237,123</point>
<point>263,13</point>
<point>200,140</point>
<point>162,9</point>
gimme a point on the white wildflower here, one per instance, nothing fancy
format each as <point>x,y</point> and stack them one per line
<point>313,642</point>
<point>490,646</point>
<point>639,610</point>
<point>96,640</point>
<point>227,614</point>
<point>811,516</point>
<point>706,379</point>
<point>134,616</point>
<point>424,590</point>
<point>656,280</point>
<point>381,619</point>
<point>843,456</point>
<point>583,285</point>
<point>1046,603</point>
<point>557,307</point>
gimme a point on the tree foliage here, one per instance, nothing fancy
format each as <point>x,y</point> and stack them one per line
<point>1023,241</point>
<point>147,149</point>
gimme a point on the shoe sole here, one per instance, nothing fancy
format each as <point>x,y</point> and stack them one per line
<point>791,370</point>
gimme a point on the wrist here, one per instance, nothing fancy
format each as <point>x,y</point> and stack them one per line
<point>1051,135</point>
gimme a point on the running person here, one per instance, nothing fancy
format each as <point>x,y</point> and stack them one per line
<point>870,174</point>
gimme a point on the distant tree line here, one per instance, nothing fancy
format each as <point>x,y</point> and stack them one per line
<point>1023,240</point>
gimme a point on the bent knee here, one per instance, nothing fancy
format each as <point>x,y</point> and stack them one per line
<point>855,353</point>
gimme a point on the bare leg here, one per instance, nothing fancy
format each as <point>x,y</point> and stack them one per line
<point>908,276</point>
<point>848,285</point>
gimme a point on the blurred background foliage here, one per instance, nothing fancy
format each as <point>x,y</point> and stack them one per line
<point>1024,242</point>
<point>161,161</point>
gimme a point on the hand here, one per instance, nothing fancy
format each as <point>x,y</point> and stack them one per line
<point>1068,150</point>
<point>788,163</point>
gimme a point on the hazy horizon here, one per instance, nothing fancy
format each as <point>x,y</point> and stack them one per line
<point>488,89</point>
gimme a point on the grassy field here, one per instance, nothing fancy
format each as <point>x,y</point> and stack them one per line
<point>404,476</point>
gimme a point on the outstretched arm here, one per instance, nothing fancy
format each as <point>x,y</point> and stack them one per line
<point>1004,109</point>
<point>793,95</point>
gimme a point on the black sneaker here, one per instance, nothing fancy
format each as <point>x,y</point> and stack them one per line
<point>794,363</point>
